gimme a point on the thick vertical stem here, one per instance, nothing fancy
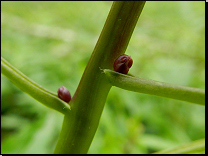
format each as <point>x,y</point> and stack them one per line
<point>87,104</point>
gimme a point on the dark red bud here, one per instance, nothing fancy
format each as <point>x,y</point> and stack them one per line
<point>122,64</point>
<point>64,94</point>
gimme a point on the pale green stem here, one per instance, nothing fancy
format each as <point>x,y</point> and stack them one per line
<point>146,86</point>
<point>194,147</point>
<point>39,93</point>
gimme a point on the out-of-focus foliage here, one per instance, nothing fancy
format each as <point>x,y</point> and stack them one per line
<point>51,43</point>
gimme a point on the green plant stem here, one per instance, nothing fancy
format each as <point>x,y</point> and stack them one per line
<point>87,104</point>
<point>39,93</point>
<point>195,147</point>
<point>152,87</point>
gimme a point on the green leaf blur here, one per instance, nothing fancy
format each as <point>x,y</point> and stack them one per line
<point>51,43</point>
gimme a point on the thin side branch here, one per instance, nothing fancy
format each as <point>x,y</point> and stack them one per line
<point>146,86</point>
<point>39,93</point>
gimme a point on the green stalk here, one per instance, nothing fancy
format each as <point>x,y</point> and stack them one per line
<point>152,87</point>
<point>87,104</point>
<point>39,93</point>
<point>195,147</point>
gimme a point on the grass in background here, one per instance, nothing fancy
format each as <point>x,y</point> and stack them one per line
<point>51,42</point>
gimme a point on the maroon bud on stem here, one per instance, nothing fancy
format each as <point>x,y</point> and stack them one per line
<point>64,94</point>
<point>122,64</point>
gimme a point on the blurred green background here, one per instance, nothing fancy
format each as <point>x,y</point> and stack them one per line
<point>51,43</point>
